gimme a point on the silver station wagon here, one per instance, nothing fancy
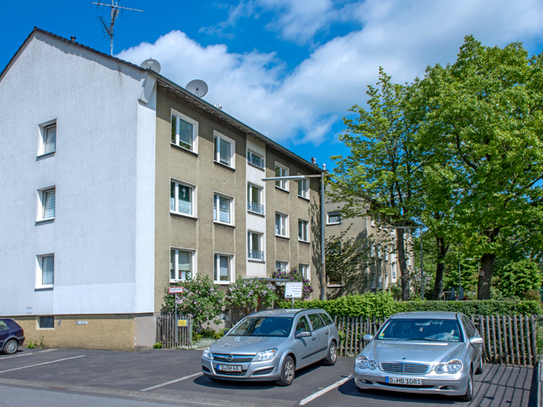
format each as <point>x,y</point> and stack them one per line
<point>422,352</point>
<point>272,345</point>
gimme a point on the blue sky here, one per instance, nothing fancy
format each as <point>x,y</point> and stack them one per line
<point>290,69</point>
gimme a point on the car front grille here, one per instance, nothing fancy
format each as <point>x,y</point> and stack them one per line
<point>223,357</point>
<point>408,368</point>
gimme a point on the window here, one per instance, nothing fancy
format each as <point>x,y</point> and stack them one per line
<point>46,271</point>
<point>316,321</point>
<point>393,271</point>
<point>46,322</point>
<point>254,199</point>
<point>281,222</point>
<point>304,269</point>
<point>222,209</point>
<point>254,241</point>
<point>281,266</point>
<point>334,218</point>
<point>224,149</point>
<point>281,171</point>
<point>181,198</point>
<point>303,230</point>
<point>48,133</point>
<point>303,188</point>
<point>255,159</point>
<point>47,204</point>
<point>184,131</point>
<point>181,264</point>
<point>223,269</point>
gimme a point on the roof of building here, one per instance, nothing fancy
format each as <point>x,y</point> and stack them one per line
<point>181,92</point>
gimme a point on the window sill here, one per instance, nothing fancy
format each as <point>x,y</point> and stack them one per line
<point>282,237</point>
<point>226,166</point>
<point>256,260</point>
<point>282,189</point>
<point>218,223</point>
<point>44,288</point>
<point>256,213</point>
<point>44,156</point>
<point>183,215</point>
<point>334,285</point>
<point>332,224</point>
<point>304,198</point>
<point>181,148</point>
<point>44,221</point>
<point>304,241</point>
<point>222,282</point>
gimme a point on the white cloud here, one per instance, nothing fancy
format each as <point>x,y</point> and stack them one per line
<point>304,104</point>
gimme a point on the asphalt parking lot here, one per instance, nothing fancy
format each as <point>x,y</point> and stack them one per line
<point>174,378</point>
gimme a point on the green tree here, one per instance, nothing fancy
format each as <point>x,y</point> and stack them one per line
<point>382,173</point>
<point>517,278</point>
<point>481,131</point>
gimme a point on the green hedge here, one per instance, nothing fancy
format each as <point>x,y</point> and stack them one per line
<point>383,305</point>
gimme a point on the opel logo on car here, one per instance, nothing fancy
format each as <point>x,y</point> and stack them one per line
<point>229,358</point>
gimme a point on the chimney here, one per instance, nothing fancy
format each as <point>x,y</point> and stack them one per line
<point>313,160</point>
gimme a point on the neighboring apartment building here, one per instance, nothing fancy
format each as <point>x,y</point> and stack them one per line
<point>117,182</point>
<point>379,268</point>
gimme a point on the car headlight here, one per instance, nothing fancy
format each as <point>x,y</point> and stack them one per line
<point>362,362</point>
<point>264,355</point>
<point>451,367</point>
<point>207,354</point>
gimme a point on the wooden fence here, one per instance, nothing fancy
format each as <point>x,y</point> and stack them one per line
<point>173,334</point>
<point>508,339</point>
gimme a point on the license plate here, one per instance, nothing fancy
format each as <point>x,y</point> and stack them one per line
<point>229,368</point>
<point>403,380</point>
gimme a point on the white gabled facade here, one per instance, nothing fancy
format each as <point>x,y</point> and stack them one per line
<point>102,233</point>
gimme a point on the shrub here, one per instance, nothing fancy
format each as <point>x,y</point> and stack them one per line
<point>293,275</point>
<point>201,299</point>
<point>250,295</point>
<point>157,345</point>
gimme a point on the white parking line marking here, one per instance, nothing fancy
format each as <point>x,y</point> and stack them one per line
<point>41,364</point>
<point>26,354</point>
<point>173,381</point>
<point>325,390</point>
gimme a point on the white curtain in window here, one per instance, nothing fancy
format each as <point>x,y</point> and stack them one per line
<point>49,204</point>
<point>50,139</point>
<point>184,199</point>
<point>48,269</point>
<point>184,264</point>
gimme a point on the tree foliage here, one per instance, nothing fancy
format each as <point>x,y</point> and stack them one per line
<point>293,275</point>
<point>250,294</point>
<point>518,278</point>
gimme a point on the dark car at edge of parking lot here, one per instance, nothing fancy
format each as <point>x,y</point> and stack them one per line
<point>12,336</point>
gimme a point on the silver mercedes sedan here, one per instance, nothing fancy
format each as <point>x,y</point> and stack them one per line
<point>422,352</point>
<point>272,345</point>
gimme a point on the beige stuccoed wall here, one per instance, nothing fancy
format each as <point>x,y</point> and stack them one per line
<point>108,332</point>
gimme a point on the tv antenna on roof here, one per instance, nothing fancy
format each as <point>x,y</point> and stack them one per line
<point>115,10</point>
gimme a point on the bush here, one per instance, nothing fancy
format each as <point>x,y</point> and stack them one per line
<point>250,295</point>
<point>157,345</point>
<point>293,275</point>
<point>201,299</point>
<point>383,305</point>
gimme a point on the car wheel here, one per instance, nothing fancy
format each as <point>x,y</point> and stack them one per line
<point>331,356</point>
<point>479,369</point>
<point>469,388</point>
<point>287,372</point>
<point>11,346</point>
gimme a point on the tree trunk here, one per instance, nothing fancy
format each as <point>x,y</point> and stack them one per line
<point>442,250</point>
<point>485,276</point>
<point>404,272</point>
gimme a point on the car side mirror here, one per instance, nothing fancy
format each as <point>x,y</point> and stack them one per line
<point>477,340</point>
<point>303,334</point>
<point>367,337</point>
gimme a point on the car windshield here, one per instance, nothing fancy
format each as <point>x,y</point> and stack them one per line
<point>442,330</point>
<point>263,326</point>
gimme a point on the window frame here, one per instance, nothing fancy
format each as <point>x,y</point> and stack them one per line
<point>217,152</point>
<point>40,273</point>
<point>177,142</point>
<point>43,128</point>
<point>283,172</point>
<point>216,267</point>
<point>333,213</point>
<point>192,264</point>
<point>250,161</point>
<point>216,205</point>
<point>283,225</point>
<point>260,257</point>
<point>43,195</point>
<point>251,204</point>
<point>193,198</point>
<point>305,230</point>
<point>303,192</point>
<point>39,322</point>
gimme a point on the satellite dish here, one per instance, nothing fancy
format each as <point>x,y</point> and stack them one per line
<point>198,87</point>
<point>151,64</point>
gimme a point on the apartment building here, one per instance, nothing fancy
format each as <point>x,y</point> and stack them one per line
<point>117,181</point>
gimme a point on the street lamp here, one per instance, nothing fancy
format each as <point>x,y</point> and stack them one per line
<point>303,177</point>
<point>421,259</point>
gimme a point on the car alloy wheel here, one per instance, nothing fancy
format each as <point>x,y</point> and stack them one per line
<point>11,347</point>
<point>287,372</point>
<point>331,356</point>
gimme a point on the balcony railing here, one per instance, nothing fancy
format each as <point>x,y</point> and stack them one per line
<point>255,207</point>
<point>256,255</point>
